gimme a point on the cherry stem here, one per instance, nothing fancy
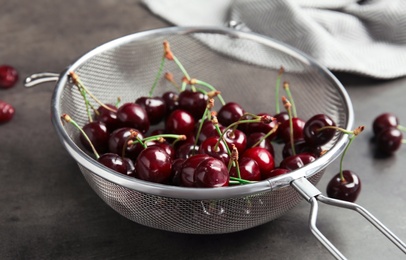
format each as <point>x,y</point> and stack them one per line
<point>79,83</point>
<point>206,114</point>
<point>118,102</point>
<point>401,128</point>
<point>273,130</point>
<point>353,134</point>
<point>159,137</point>
<point>170,56</point>
<point>239,181</point>
<point>68,119</point>
<point>221,138</point>
<point>234,161</point>
<point>158,76</point>
<point>289,93</point>
<point>288,107</point>
<point>169,77</point>
<point>278,83</point>
<point>207,85</point>
<point>87,103</point>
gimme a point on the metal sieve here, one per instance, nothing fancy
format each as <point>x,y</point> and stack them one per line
<point>244,67</point>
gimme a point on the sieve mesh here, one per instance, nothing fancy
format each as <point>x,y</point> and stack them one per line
<point>244,67</point>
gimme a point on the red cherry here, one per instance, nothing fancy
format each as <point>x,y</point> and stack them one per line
<point>237,138</point>
<point>194,102</point>
<point>208,147</point>
<point>275,172</point>
<point>171,101</point>
<point>254,138</point>
<point>118,143</point>
<point>249,170</point>
<point>383,121</point>
<point>8,76</point>
<point>230,113</point>
<point>284,129</point>
<point>6,112</point>
<point>98,135</point>
<point>297,161</point>
<point>154,165</point>
<point>108,117</point>
<point>347,190</point>
<point>180,122</point>
<point>133,115</point>
<point>389,140</point>
<point>314,137</point>
<point>114,162</point>
<point>263,127</point>
<point>263,158</point>
<point>187,174</point>
<point>155,108</point>
<point>211,173</point>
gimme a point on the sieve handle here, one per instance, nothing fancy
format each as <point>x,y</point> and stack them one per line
<point>39,78</point>
<point>313,195</point>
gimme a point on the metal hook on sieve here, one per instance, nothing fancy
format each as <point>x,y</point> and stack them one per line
<point>313,195</point>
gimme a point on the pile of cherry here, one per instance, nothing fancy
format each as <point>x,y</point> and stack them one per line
<point>8,79</point>
<point>178,139</point>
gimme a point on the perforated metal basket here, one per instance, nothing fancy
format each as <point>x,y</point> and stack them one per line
<point>244,67</point>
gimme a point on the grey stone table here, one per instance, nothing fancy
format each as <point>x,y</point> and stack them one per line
<point>48,211</point>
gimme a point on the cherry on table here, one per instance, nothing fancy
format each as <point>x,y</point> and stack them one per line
<point>8,76</point>
<point>383,121</point>
<point>6,112</point>
<point>389,140</point>
<point>346,189</point>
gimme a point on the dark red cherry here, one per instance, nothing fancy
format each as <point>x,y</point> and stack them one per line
<point>6,112</point>
<point>263,158</point>
<point>186,150</point>
<point>311,132</point>
<point>108,117</point>
<point>155,108</point>
<point>383,121</point>
<point>114,162</point>
<point>236,138</point>
<point>171,101</point>
<point>301,146</point>
<point>297,161</point>
<point>168,148</point>
<point>281,117</point>
<point>284,129</point>
<point>263,127</point>
<point>98,135</point>
<point>389,140</point>
<point>208,129</point>
<point>210,147</point>
<point>229,113</point>
<point>8,76</point>
<point>194,102</point>
<point>130,167</point>
<point>180,122</point>
<point>211,173</point>
<point>249,170</point>
<point>275,172</point>
<point>154,165</point>
<point>255,138</point>
<point>118,143</point>
<point>347,190</point>
<point>176,170</point>
<point>134,116</point>
<point>187,174</point>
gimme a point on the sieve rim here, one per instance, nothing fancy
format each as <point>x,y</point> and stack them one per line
<point>275,183</point>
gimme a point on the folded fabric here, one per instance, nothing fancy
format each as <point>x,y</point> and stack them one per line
<point>361,37</point>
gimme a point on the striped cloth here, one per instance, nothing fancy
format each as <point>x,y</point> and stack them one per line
<point>365,37</point>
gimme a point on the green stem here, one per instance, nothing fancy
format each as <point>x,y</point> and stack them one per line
<point>207,85</point>
<point>241,181</point>
<point>289,93</point>
<point>181,67</point>
<point>68,119</point>
<point>292,141</point>
<point>158,76</point>
<point>342,157</point>
<point>278,85</point>
<point>401,128</point>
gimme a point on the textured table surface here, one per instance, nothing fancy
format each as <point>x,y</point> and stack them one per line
<point>48,211</point>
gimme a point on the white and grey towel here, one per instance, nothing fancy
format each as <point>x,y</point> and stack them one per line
<point>366,37</point>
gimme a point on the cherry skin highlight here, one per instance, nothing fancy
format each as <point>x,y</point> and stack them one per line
<point>8,76</point>
<point>154,165</point>
<point>6,112</point>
